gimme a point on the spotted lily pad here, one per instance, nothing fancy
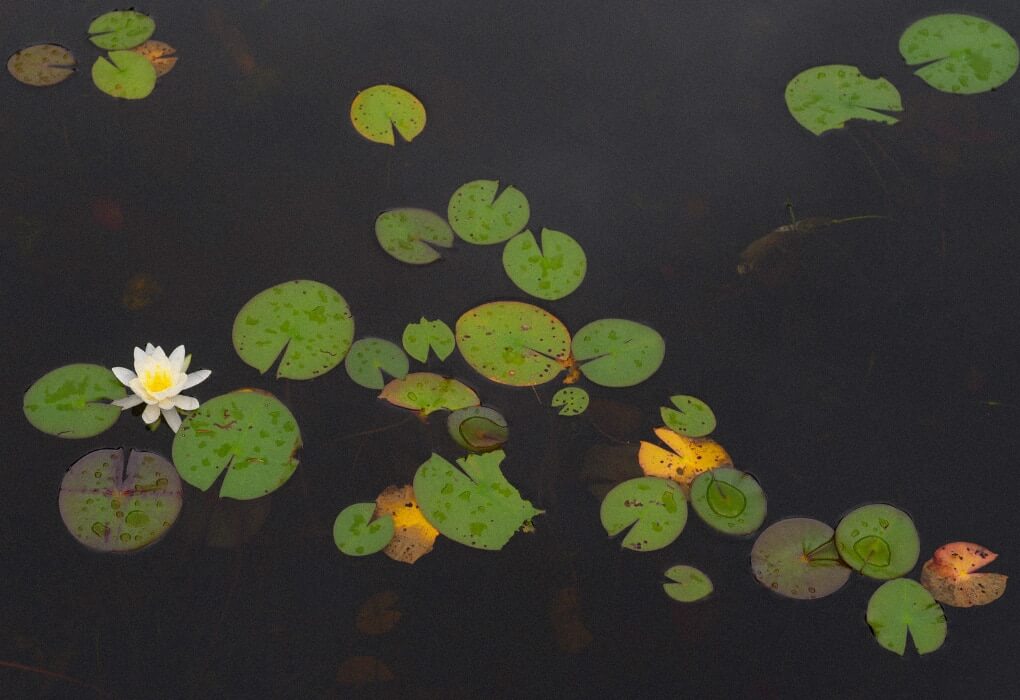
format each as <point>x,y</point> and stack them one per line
<point>248,434</point>
<point>477,506</point>
<point>370,357</point>
<point>159,54</point>
<point>514,343</point>
<point>126,75</point>
<point>427,392</point>
<point>377,110</point>
<point>572,401</point>
<point>478,216</point>
<point>550,272</point>
<point>309,322</point>
<point>419,337</point>
<point>949,575</point>
<point>42,65</point>
<point>357,534</point>
<point>688,584</point>
<point>729,500</point>
<point>413,535</point>
<point>692,417</point>
<point>878,540</point>
<point>121,29</point>
<point>406,234</point>
<point>116,502</point>
<point>478,428</point>
<point>827,97</point>
<point>965,54</point>
<point>902,606</point>
<point>685,460</point>
<point>73,401</point>
<point>655,507</point>
<point>616,352</point>
<point>797,558</point>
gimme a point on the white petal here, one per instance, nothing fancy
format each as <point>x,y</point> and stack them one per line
<point>173,419</point>
<point>128,402</point>
<point>151,413</point>
<point>186,363</point>
<point>149,348</point>
<point>124,375</point>
<point>196,378</point>
<point>186,403</point>
<point>166,404</point>
<point>139,354</point>
<point>177,358</point>
<point>139,388</point>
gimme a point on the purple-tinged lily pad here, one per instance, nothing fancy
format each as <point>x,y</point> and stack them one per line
<point>427,392</point>
<point>73,401</point>
<point>478,428</point>
<point>797,558</point>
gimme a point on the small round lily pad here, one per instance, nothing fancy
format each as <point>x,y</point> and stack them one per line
<point>113,505</point>
<point>827,97</point>
<point>692,416</point>
<point>73,401</point>
<point>572,401</point>
<point>121,29</point>
<point>419,337</point>
<point>357,534</point>
<point>903,605</point>
<point>406,234</point>
<point>550,272</point>
<point>126,75</point>
<point>965,54</point>
<point>688,584</point>
<point>878,540</point>
<point>478,428</point>
<point>729,500</point>
<point>42,65</point>
<point>616,352</point>
<point>655,507</point>
<point>377,110</point>
<point>478,216</point>
<point>368,358</point>
<point>796,558</point>
<point>160,54</point>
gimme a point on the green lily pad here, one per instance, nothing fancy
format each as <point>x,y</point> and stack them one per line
<point>902,606</point>
<point>689,584</point>
<point>797,558</point>
<point>572,401</point>
<point>693,418</point>
<point>42,65</point>
<point>127,75</point>
<point>729,500</point>
<point>73,401</point>
<point>121,29</point>
<point>419,337</point>
<point>427,392</point>
<point>370,357</point>
<point>552,272</point>
<point>827,97</point>
<point>478,428</point>
<point>309,322</point>
<point>656,507</point>
<point>248,434</point>
<point>357,534</point>
<point>378,109</point>
<point>514,343</point>
<point>878,540</point>
<point>406,234</point>
<point>110,505</point>
<point>477,506</point>
<point>615,352</point>
<point>478,216</point>
<point>965,54</point>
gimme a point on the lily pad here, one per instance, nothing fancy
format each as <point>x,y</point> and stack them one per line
<point>550,272</point>
<point>427,392</point>
<point>73,401</point>
<point>514,343</point>
<point>902,605</point>
<point>878,540</point>
<point>126,75</point>
<point>357,534</point>
<point>413,535</point>
<point>377,110</point>
<point>797,558</point>
<point>160,54</point>
<point>370,357</point>
<point>248,434</point>
<point>827,97</point>
<point>729,500</point>
<point>406,234</point>
<point>656,507</point>
<point>685,460</point>
<point>116,502</point>
<point>309,322</point>
<point>477,506</point>
<point>949,575</point>
<point>42,65</point>
<point>121,29</point>
<point>478,428</point>
<point>572,401</point>
<point>692,417</point>
<point>419,337</point>
<point>478,216</point>
<point>688,584</point>
<point>616,352</point>
<point>965,54</point>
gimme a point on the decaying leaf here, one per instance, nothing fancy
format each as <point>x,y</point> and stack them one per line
<point>413,535</point>
<point>159,54</point>
<point>42,65</point>
<point>569,630</point>
<point>949,575</point>
<point>689,457</point>
<point>360,671</point>
<point>377,615</point>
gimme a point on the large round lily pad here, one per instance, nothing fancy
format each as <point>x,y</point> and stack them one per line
<point>902,605</point>
<point>827,97</point>
<point>616,352</point>
<point>514,343</point>
<point>691,418</point>
<point>406,234</point>
<point>427,392</point>
<point>370,357</point>
<point>127,75</point>
<point>73,401</point>
<point>478,216</point>
<point>115,506</point>
<point>121,29</point>
<point>965,54</point>
<point>249,434</point>
<point>878,540</point>
<point>655,507</point>
<point>42,65</point>
<point>550,272</point>
<point>688,584</point>
<point>309,322</point>
<point>377,110</point>
<point>355,533</point>
<point>729,500</point>
<point>478,428</point>
<point>796,558</point>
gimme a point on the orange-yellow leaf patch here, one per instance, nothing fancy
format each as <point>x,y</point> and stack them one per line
<point>949,575</point>
<point>689,457</point>
<point>413,535</point>
<point>159,54</point>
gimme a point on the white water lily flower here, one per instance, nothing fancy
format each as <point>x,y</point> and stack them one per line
<point>158,381</point>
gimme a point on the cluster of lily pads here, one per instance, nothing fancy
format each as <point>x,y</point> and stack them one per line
<point>128,71</point>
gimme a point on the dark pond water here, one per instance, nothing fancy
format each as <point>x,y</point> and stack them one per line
<point>876,362</point>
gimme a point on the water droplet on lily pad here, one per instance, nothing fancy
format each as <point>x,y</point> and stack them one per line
<point>42,65</point>
<point>964,54</point>
<point>886,545</point>
<point>377,110</point>
<point>827,97</point>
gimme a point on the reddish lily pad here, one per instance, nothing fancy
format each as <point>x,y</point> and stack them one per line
<point>159,54</point>
<point>797,558</point>
<point>949,575</point>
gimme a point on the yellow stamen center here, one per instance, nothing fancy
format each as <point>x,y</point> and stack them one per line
<point>157,379</point>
